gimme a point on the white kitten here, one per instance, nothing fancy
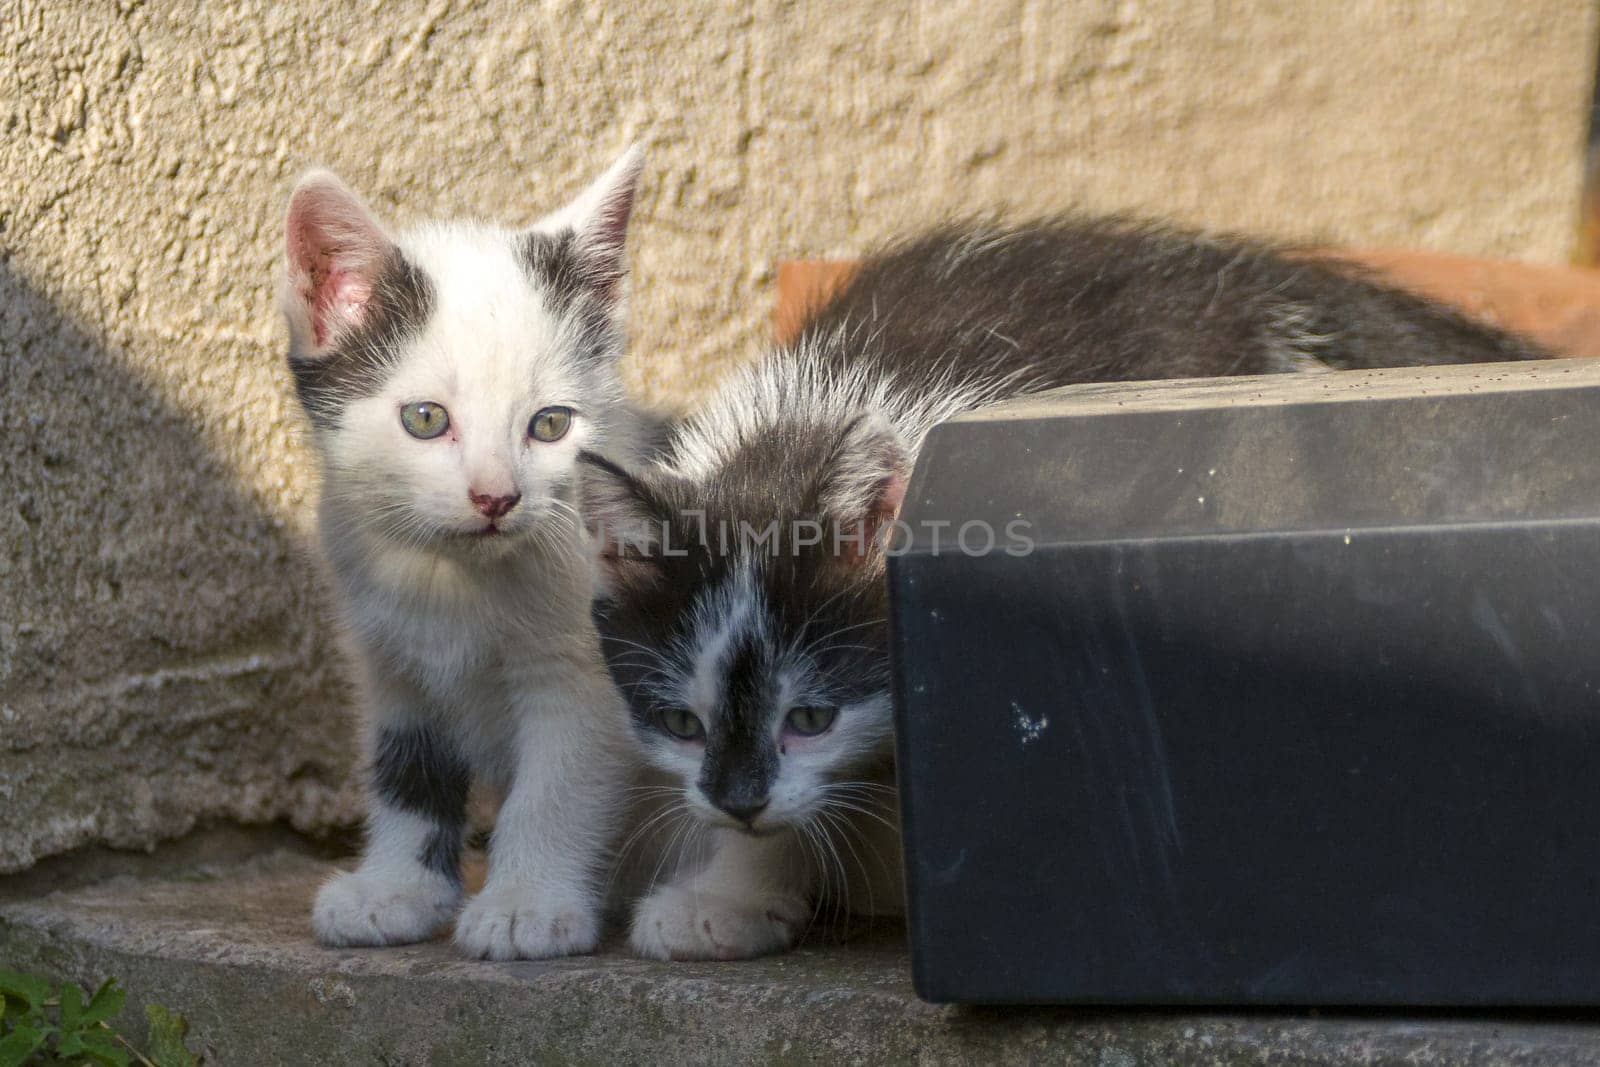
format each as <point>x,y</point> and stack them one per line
<point>451,374</point>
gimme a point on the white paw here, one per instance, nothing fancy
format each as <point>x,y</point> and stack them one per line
<point>520,923</point>
<point>357,908</point>
<point>675,923</point>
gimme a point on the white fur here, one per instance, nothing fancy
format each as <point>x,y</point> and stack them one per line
<point>488,639</point>
<point>391,900</point>
<point>542,896</point>
<point>748,900</point>
<point>722,621</point>
<point>731,895</point>
<point>795,384</point>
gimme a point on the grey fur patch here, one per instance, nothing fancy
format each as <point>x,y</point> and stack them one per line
<point>579,286</point>
<point>1297,336</point>
<point>418,770</point>
<point>556,266</point>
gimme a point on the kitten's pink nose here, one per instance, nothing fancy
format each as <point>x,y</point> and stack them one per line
<point>492,506</point>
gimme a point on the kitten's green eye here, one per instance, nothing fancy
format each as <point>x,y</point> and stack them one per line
<point>550,424</point>
<point>424,419</point>
<point>681,723</point>
<point>808,722</point>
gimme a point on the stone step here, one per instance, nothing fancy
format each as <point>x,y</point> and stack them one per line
<point>226,944</point>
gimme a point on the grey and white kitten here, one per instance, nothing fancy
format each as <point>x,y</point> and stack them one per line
<point>756,667</point>
<point>451,374</point>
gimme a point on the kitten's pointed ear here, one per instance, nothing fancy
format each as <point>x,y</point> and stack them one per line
<point>628,514</point>
<point>598,221</point>
<point>864,485</point>
<point>334,252</point>
<point>601,212</point>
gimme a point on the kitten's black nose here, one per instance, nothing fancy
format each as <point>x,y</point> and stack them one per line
<point>744,810</point>
<point>491,506</point>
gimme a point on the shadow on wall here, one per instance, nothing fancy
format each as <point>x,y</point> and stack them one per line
<point>162,662</point>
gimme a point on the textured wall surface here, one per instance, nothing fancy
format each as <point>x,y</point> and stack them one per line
<point>161,658</point>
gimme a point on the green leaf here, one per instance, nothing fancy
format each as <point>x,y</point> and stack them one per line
<point>71,1006</point>
<point>107,1002</point>
<point>19,1045</point>
<point>166,1038</point>
<point>33,990</point>
<point>70,1044</point>
<point>97,1046</point>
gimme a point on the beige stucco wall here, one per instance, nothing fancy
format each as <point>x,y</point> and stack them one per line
<point>160,655</point>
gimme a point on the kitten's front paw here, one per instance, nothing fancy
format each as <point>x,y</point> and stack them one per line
<point>361,909</point>
<point>518,923</point>
<point>676,923</point>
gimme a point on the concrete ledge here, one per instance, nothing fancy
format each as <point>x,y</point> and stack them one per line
<point>227,945</point>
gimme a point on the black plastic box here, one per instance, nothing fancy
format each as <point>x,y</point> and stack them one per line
<point>1296,699</point>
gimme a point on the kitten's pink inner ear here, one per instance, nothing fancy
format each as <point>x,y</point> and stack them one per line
<point>884,510</point>
<point>340,301</point>
<point>892,495</point>
<point>334,249</point>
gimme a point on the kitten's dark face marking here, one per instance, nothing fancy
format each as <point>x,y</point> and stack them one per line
<point>741,757</point>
